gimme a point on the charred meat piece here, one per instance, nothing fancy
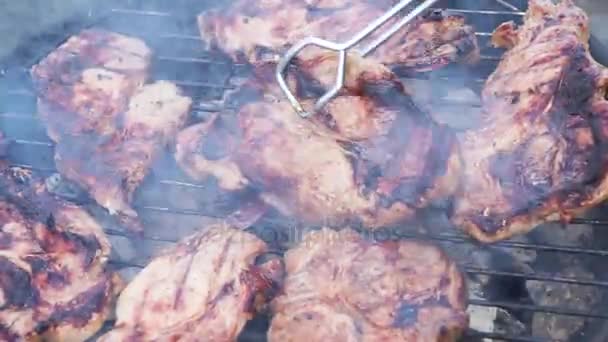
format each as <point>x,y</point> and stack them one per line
<point>111,166</point>
<point>431,41</point>
<point>107,127</point>
<point>86,83</point>
<point>54,281</point>
<point>541,155</point>
<point>203,289</point>
<point>372,157</point>
<point>341,287</point>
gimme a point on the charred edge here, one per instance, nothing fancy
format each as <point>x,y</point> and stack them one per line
<point>80,310</point>
<point>436,163</point>
<point>491,224</point>
<point>365,175</point>
<point>506,169</point>
<point>82,245</point>
<point>434,15</point>
<point>407,313</point>
<point>18,188</point>
<point>577,177</point>
<point>43,271</point>
<point>575,92</point>
<point>390,93</point>
<point>16,285</point>
<point>307,87</point>
<point>577,87</point>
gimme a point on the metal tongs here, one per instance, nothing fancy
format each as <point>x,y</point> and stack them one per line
<point>342,48</point>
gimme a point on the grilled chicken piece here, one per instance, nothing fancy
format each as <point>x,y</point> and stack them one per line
<point>86,83</point>
<point>203,289</point>
<point>111,166</point>
<point>108,129</point>
<point>431,41</point>
<point>341,287</point>
<point>54,280</point>
<point>372,157</point>
<point>541,154</point>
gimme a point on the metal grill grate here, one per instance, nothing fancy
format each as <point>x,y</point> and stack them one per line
<point>206,76</point>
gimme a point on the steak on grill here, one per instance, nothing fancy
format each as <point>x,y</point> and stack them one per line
<point>251,32</point>
<point>54,281</point>
<point>541,154</point>
<point>372,156</point>
<point>205,288</point>
<point>108,128</point>
<point>341,287</point>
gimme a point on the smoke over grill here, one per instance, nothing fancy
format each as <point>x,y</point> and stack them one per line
<point>547,285</point>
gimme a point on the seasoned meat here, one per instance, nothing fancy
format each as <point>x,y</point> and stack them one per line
<point>108,128</point>
<point>111,166</point>
<point>341,287</point>
<point>86,83</point>
<point>431,41</point>
<point>54,281</point>
<point>540,155</point>
<point>203,289</point>
<point>372,156</point>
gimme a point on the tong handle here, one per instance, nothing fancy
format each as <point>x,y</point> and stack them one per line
<point>342,48</point>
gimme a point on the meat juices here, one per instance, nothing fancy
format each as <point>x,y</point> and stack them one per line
<point>371,157</point>
<point>203,289</point>
<point>429,42</point>
<point>54,279</point>
<point>341,287</point>
<point>540,155</point>
<point>108,127</point>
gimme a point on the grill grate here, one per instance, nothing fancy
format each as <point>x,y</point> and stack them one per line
<point>206,76</point>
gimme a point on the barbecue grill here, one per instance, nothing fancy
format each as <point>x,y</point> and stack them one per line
<point>548,285</point>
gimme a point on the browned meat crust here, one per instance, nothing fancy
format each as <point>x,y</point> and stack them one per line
<point>54,280</point>
<point>372,156</point>
<point>340,287</point>
<point>203,289</point>
<point>86,83</point>
<point>541,155</point>
<point>432,41</point>
<point>108,128</point>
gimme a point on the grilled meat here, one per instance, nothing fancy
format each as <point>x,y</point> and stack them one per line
<point>372,156</point>
<point>541,155</point>
<point>108,129</point>
<point>431,41</point>
<point>203,289</point>
<point>86,83</point>
<point>341,287</point>
<point>54,280</point>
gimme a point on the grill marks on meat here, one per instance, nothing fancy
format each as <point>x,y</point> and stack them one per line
<point>54,282</point>
<point>431,41</point>
<point>341,287</point>
<point>107,127</point>
<point>375,164</point>
<point>203,289</point>
<point>541,156</point>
